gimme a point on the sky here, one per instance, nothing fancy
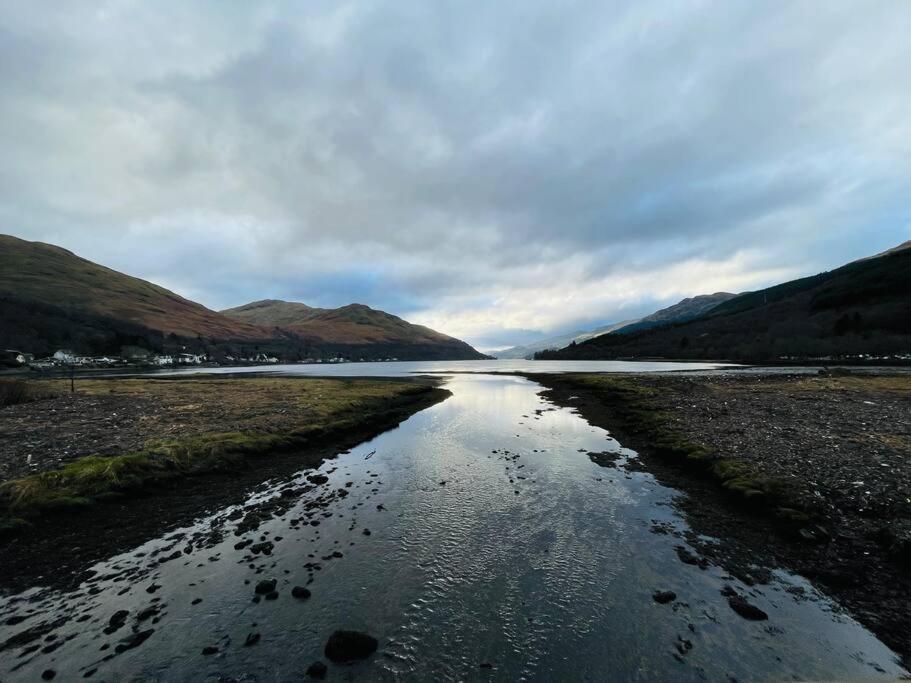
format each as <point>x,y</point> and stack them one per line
<point>498,171</point>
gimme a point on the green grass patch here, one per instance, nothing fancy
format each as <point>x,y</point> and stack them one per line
<point>92,479</point>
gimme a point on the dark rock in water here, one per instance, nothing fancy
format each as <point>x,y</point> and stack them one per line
<point>240,545</point>
<point>272,595</point>
<point>48,674</point>
<point>252,639</point>
<point>317,670</point>
<point>196,601</point>
<point>148,612</point>
<point>347,646</point>
<point>317,479</point>
<point>300,592</point>
<point>664,597</point>
<point>683,645</point>
<point>154,587</point>
<point>689,558</point>
<point>485,665</point>
<point>266,586</point>
<point>265,547</point>
<point>134,640</point>
<point>118,619</point>
<point>210,650</point>
<point>366,532</point>
<point>605,459</point>
<point>746,610</point>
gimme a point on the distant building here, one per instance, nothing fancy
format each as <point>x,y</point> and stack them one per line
<point>17,357</point>
<point>64,356</point>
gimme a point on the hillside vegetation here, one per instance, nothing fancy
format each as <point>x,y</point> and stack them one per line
<point>51,298</point>
<point>354,329</point>
<point>861,308</point>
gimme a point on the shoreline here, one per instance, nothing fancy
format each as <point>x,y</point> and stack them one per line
<point>58,536</point>
<point>713,439</point>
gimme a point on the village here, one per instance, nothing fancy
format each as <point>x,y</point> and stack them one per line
<point>137,357</point>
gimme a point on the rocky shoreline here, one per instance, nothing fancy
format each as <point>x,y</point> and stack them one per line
<point>55,545</point>
<point>836,448</point>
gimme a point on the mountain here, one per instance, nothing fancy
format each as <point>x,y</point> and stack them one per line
<point>863,307</point>
<point>529,350</point>
<point>354,329</point>
<point>679,312</point>
<point>50,298</point>
<point>687,309</point>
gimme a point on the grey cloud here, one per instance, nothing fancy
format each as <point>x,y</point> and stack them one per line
<point>436,156</point>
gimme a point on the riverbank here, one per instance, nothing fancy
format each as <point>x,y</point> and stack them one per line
<point>120,460</point>
<point>813,473</point>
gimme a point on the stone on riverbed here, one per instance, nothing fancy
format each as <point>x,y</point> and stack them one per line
<point>746,610</point>
<point>664,597</point>
<point>317,670</point>
<point>347,646</point>
<point>266,586</point>
<point>300,592</point>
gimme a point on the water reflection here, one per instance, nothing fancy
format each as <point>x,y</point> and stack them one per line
<point>496,551</point>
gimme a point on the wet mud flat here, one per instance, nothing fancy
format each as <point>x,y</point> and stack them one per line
<point>835,447</point>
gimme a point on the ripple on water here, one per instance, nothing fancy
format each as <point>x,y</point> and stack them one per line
<point>553,582</point>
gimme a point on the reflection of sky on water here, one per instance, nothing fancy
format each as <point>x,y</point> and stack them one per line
<point>529,558</point>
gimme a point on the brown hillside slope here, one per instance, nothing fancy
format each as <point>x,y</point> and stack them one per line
<point>44,273</point>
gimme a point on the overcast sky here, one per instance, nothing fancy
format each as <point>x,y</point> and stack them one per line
<point>496,170</point>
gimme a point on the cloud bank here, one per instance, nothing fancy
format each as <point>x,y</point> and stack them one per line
<point>497,171</point>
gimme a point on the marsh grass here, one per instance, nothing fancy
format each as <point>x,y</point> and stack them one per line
<point>636,408</point>
<point>17,391</point>
<point>319,410</point>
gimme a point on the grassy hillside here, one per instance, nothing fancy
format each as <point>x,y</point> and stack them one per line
<point>51,299</point>
<point>273,313</point>
<point>354,328</point>
<point>863,307</point>
<point>45,274</point>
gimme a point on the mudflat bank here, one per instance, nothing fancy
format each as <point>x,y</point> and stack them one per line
<point>85,474</point>
<point>810,473</point>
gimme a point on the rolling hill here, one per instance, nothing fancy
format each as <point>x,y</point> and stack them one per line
<point>863,307</point>
<point>353,329</point>
<point>51,298</point>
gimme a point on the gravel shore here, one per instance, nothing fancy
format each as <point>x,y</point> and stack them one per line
<point>842,444</point>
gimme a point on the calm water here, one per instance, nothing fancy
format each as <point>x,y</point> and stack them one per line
<point>407,368</point>
<point>529,558</point>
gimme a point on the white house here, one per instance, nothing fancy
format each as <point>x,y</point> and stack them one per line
<point>65,356</point>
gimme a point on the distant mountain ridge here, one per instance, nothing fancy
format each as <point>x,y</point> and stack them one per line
<point>680,312</point>
<point>529,350</point>
<point>860,309</point>
<point>351,326</point>
<point>50,298</point>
